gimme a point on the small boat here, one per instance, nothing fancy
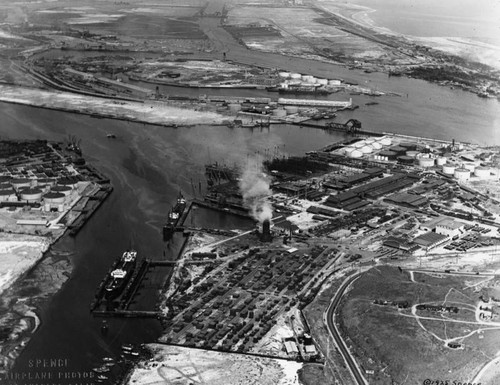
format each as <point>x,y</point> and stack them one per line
<point>108,359</point>
<point>101,369</point>
<point>111,136</point>
<point>127,347</point>
<point>102,377</point>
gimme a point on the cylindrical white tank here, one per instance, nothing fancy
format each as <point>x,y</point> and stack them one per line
<point>413,154</point>
<point>323,82</point>
<point>366,149</point>
<point>359,144</point>
<point>66,190</point>
<point>441,161</point>
<point>426,162</point>
<point>19,183</point>
<point>348,150</point>
<point>7,195</point>
<point>295,76</point>
<point>291,110</point>
<point>356,154</point>
<point>449,169</point>
<point>482,172</point>
<point>53,198</point>
<point>462,174</point>
<point>31,195</point>
<point>279,112</point>
<point>469,166</point>
<point>45,182</point>
<point>376,145</point>
<point>67,181</point>
<point>334,82</point>
<point>284,75</point>
<point>385,141</point>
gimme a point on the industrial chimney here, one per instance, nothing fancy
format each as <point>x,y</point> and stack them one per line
<point>266,231</point>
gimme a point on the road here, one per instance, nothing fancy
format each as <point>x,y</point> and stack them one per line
<point>334,332</point>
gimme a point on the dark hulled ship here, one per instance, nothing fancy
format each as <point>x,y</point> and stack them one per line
<point>118,278</point>
<point>173,218</point>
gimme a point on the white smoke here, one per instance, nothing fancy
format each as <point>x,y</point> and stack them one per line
<point>254,186</point>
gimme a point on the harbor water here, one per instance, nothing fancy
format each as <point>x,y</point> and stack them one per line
<point>149,165</point>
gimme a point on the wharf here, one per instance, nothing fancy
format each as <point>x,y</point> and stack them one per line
<point>92,204</point>
<point>128,313</point>
<point>341,127</point>
<point>216,207</point>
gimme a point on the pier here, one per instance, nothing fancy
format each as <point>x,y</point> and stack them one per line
<point>352,126</point>
<point>128,313</point>
<point>214,206</point>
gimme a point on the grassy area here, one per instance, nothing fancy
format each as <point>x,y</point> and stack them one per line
<point>335,369</point>
<point>392,338</point>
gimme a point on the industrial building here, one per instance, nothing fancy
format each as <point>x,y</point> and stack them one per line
<point>430,240</point>
<point>353,198</point>
<point>450,228</point>
<point>315,103</point>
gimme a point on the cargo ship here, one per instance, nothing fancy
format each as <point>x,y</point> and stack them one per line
<point>173,218</point>
<point>118,278</point>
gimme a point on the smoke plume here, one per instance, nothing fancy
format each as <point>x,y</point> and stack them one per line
<point>254,186</point>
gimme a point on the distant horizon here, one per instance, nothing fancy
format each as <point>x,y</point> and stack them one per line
<point>448,18</point>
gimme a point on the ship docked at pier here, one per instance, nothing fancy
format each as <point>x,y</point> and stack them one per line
<point>173,217</point>
<point>120,275</point>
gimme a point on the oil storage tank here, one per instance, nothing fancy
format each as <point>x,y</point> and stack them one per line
<point>405,159</point>
<point>389,155</point>
<point>462,174</point>
<point>385,141</point>
<point>441,161</point>
<point>19,183</point>
<point>426,162</point>
<point>356,154</point>
<point>449,169</point>
<point>408,146</point>
<point>31,195</point>
<point>482,172</point>
<point>54,200</point>
<point>8,195</point>
<point>66,190</point>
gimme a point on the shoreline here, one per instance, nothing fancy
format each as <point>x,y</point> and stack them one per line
<point>28,309</point>
<point>484,53</point>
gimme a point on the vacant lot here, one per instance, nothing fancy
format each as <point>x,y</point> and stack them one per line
<point>414,343</point>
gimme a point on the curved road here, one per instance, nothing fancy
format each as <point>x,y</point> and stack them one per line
<point>332,328</point>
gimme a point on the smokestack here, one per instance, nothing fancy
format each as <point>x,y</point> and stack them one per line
<point>255,189</point>
<point>266,231</point>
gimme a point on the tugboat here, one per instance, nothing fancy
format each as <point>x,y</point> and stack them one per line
<point>173,218</point>
<point>119,277</point>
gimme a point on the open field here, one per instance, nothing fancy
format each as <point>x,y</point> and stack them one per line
<point>155,113</point>
<point>311,34</point>
<point>182,366</point>
<point>444,340</point>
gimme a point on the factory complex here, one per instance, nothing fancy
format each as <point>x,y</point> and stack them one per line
<point>353,204</point>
